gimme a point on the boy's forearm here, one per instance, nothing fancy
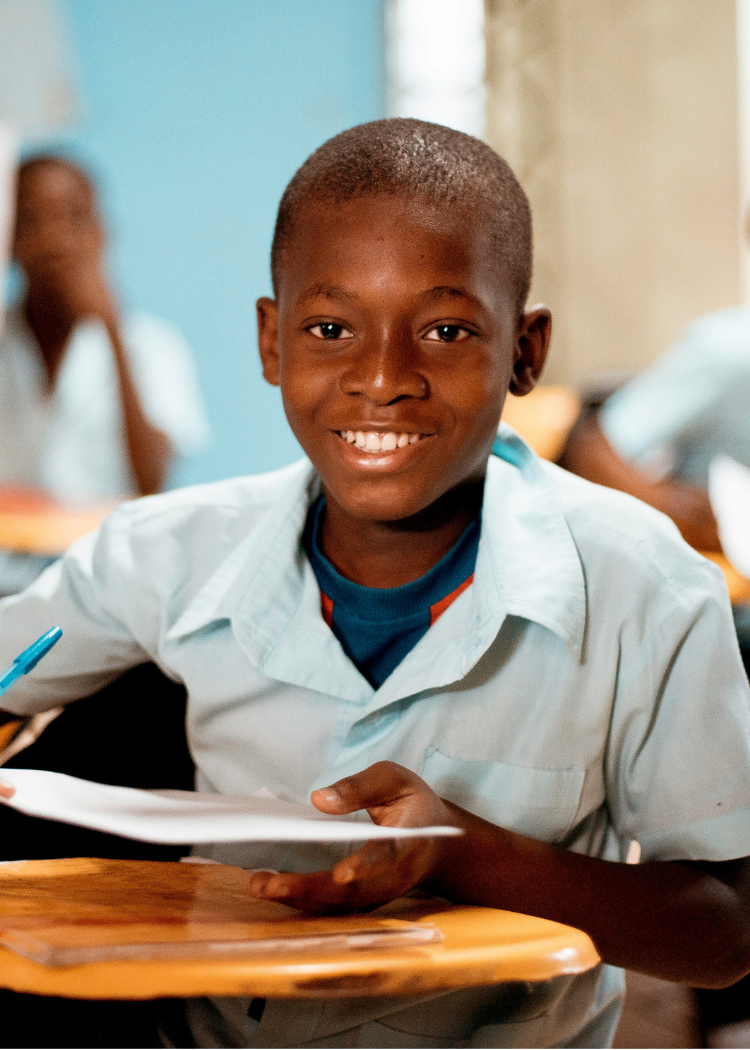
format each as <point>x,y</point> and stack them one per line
<point>672,920</point>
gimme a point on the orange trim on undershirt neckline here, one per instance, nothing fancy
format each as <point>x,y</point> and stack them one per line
<point>437,610</point>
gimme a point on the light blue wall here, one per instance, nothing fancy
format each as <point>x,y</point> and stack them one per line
<point>198,112</point>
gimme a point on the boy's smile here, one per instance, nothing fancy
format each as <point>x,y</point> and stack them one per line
<point>394,339</point>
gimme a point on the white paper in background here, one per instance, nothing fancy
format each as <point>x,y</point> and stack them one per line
<point>173,817</point>
<point>8,155</point>
<point>729,492</point>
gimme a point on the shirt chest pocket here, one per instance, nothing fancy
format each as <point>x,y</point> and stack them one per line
<point>541,803</point>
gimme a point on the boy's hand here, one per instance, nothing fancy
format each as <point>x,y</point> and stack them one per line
<point>384,869</point>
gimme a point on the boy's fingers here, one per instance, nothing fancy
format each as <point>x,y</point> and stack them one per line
<point>313,892</point>
<point>262,882</point>
<point>6,790</point>
<point>370,881</point>
<point>383,783</point>
<point>374,859</point>
<point>379,872</point>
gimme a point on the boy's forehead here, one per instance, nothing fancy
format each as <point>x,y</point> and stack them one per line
<point>367,217</point>
<point>351,236</point>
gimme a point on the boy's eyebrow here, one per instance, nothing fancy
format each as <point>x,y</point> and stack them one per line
<point>335,291</point>
<point>330,291</point>
<point>443,290</point>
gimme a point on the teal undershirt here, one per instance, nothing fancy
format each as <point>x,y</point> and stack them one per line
<point>377,626</point>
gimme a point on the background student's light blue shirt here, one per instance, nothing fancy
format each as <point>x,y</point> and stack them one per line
<point>690,406</point>
<point>585,690</point>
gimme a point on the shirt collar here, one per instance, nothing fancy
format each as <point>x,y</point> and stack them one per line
<point>527,566</point>
<point>531,548</point>
<point>259,582</point>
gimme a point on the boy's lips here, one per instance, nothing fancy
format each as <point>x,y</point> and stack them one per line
<point>376,441</point>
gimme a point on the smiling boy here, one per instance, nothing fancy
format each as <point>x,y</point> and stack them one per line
<point>407,624</point>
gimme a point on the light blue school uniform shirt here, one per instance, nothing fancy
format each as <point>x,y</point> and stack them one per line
<point>586,690</point>
<point>691,405</point>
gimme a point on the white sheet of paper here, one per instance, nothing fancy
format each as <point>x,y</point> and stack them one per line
<point>729,492</point>
<point>173,817</point>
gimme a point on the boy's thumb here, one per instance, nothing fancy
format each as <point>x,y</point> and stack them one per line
<point>378,785</point>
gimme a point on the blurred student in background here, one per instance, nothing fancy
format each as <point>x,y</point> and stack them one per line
<point>93,404</point>
<point>655,438</point>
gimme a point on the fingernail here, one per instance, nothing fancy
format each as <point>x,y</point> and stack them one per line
<point>346,875</point>
<point>6,790</point>
<point>330,794</point>
<point>258,888</point>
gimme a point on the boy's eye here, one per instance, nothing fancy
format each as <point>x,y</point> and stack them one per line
<point>448,333</point>
<point>329,330</point>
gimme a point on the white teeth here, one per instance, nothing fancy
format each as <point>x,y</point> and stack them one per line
<point>375,442</point>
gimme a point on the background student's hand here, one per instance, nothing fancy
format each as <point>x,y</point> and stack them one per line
<point>83,291</point>
<point>385,868</point>
<point>80,290</point>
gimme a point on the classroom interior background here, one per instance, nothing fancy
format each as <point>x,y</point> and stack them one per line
<point>627,122</point>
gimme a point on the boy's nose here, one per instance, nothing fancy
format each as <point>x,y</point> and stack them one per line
<point>385,373</point>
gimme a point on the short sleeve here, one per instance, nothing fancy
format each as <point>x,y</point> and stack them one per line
<point>678,770</point>
<point>167,382</point>
<point>95,593</point>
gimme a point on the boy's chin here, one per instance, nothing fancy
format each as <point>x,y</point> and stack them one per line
<point>382,503</point>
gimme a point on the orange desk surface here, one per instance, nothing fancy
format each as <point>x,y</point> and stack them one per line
<point>480,945</point>
<point>32,522</point>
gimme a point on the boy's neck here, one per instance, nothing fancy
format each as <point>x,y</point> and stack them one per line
<point>392,553</point>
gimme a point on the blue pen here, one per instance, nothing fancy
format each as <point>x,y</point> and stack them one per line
<point>29,658</point>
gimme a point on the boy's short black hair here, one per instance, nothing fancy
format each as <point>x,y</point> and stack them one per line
<point>430,161</point>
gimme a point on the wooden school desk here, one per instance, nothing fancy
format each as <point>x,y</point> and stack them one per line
<point>32,522</point>
<point>55,909</point>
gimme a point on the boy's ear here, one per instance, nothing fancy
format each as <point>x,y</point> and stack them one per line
<point>268,339</point>
<point>532,343</point>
